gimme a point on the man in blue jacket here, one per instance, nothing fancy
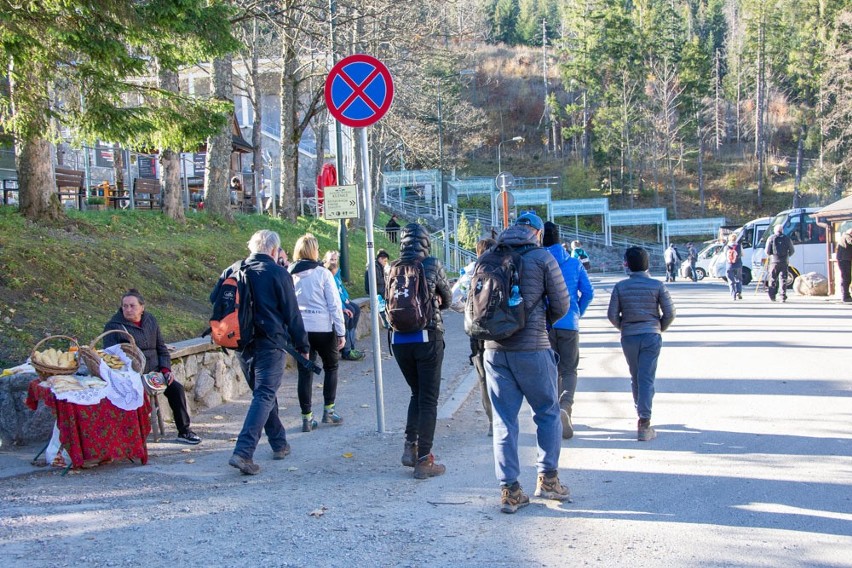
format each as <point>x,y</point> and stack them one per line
<point>564,334</point>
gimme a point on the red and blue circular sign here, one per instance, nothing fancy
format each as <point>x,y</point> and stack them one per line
<point>358,90</point>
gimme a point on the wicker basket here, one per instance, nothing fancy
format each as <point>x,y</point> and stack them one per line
<point>90,356</point>
<point>45,371</point>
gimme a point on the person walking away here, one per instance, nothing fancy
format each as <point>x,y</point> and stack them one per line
<point>779,249</point>
<point>844,263</point>
<point>382,258</point>
<point>692,257</point>
<point>565,333</point>
<point>673,260</point>
<point>419,353</point>
<point>351,311</point>
<point>734,272</point>
<point>392,229</point>
<point>322,314</point>
<point>524,366</point>
<point>132,318</point>
<point>580,254</point>
<point>477,346</point>
<point>642,309</point>
<point>277,324</point>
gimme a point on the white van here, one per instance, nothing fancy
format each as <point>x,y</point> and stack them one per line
<point>747,235</point>
<point>807,236</point>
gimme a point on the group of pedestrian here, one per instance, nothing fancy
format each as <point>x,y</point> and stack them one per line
<point>304,306</point>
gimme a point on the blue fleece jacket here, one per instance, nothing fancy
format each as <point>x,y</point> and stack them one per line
<point>579,287</point>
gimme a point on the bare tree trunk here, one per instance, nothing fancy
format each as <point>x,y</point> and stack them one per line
<point>170,188</point>
<point>800,155</point>
<point>759,135</point>
<point>37,195</point>
<point>118,165</point>
<point>717,100</point>
<point>257,126</point>
<point>586,128</point>
<point>655,168</point>
<point>289,141</point>
<point>217,195</point>
<point>36,182</point>
<point>700,162</point>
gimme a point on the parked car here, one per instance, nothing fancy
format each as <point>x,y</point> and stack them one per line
<point>807,236</point>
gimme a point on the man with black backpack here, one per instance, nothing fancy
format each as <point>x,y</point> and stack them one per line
<point>779,249</point>
<point>520,364</point>
<point>417,291</point>
<point>276,326</point>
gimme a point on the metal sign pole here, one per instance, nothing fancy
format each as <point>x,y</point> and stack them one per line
<point>374,302</point>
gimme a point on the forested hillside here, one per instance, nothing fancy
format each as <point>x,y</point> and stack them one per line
<point>671,103</point>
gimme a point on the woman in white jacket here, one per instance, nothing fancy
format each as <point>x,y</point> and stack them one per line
<point>322,314</point>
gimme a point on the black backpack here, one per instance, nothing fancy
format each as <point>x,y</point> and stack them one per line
<point>408,303</point>
<point>488,314</point>
<point>781,246</point>
<point>232,322</point>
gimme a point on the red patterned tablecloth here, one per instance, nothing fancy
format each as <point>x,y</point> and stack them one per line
<point>97,433</point>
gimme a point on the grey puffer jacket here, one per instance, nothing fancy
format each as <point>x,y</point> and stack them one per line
<point>542,288</point>
<point>414,244</point>
<point>640,304</point>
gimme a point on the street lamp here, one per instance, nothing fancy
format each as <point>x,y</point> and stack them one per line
<point>499,163</point>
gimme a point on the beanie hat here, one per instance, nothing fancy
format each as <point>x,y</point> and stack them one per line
<point>551,234</point>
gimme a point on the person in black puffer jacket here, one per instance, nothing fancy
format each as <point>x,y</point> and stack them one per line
<point>420,355</point>
<point>132,318</point>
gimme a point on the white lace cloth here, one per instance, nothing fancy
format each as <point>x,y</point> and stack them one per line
<point>124,386</point>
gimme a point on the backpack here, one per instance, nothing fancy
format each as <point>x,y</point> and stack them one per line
<point>232,322</point>
<point>781,246</point>
<point>408,304</point>
<point>733,254</point>
<point>487,313</point>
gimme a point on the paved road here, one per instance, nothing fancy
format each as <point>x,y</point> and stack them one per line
<point>751,467</point>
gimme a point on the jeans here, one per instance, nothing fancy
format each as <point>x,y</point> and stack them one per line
<point>642,352</point>
<point>420,364</point>
<point>735,280</point>
<point>323,343</point>
<point>566,343</point>
<point>671,271</point>
<point>264,371</point>
<point>777,282</point>
<point>845,268</point>
<point>176,395</point>
<point>477,359</point>
<point>513,376</point>
<point>692,272</point>
<point>351,326</point>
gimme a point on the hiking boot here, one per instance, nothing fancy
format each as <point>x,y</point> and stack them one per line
<point>353,355</point>
<point>426,467</point>
<point>550,488</point>
<point>189,437</point>
<point>513,498</point>
<point>282,453</point>
<point>739,296</point>
<point>248,467</point>
<point>567,425</point>
<point>409,454</point>
<point>309,424</point>
<point>644,430</point>
<point>331,417</point>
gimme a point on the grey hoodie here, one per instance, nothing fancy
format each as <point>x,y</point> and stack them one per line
<point>543,289</point>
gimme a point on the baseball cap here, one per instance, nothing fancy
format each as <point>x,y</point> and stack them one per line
<point>530,219</point>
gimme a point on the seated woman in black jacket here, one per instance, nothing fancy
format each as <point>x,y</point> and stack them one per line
<point>132,318</point>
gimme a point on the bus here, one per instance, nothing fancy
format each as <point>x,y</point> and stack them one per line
<point>807,237</point>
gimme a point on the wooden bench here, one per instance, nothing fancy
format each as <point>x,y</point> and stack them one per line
<point>146,193</point>
<point>69,186</point>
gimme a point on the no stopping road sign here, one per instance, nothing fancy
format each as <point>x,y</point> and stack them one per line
<point>358,90</point>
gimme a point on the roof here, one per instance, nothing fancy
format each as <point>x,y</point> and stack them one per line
<point>838,211</point>
<point>239,143</point>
